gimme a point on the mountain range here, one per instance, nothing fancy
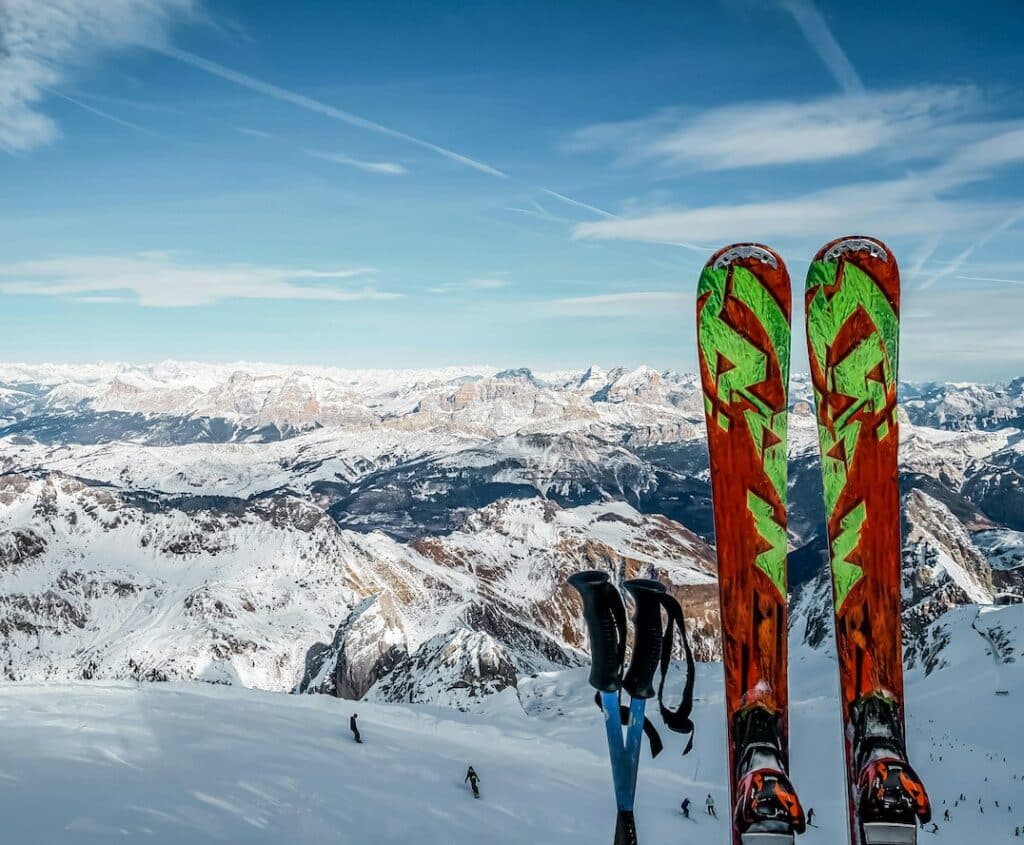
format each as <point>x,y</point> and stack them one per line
<point>406,535</point>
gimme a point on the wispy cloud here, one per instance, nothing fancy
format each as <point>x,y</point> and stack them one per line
<point>822,129</point>
<point>155,279</point>
<point>920,205</point>
<point>621,304</point>
<point>310,104</point>
<point>992,279</point>
<point>470,284</point>
<point>113,118</point>
<point>600,212</point>
<point>391,168</point>
<point>966,254</point>
<point>955,338</point>
<point>38,41</point>
<point>891,207</point>
<point>819,36</point>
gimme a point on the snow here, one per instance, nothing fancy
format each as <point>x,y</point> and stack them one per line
<point>1003,547</point>
<point>165,763</point>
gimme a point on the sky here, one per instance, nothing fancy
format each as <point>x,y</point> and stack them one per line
<point>385,184</point>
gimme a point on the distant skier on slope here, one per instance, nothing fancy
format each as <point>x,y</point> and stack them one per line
<point>685,807</point>
<point>709,804</point>
<point>473,779</point>
<point>354,728</point>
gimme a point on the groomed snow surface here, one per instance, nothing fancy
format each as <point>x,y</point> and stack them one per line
<point>175,763</point>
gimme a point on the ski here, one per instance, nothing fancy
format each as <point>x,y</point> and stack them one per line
<point>852,303</point>
<point>743,340</point>
<point>605,616</point>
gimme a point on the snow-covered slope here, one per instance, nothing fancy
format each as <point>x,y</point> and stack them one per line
<point>166,763</point>
<point>99,584</point>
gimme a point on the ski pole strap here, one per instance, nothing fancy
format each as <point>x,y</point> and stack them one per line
<point>650,731</point>
<point>677,720</point>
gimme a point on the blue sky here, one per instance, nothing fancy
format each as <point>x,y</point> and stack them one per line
<point>412,184</point>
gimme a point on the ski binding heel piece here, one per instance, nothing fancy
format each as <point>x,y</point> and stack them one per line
<point>889,833</point>
<point>767,838</point>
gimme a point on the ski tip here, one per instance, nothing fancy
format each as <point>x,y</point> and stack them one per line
<point>859,246</point>
<point>746,254</point>
<point>764,263</point>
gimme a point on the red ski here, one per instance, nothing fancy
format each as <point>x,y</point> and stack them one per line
<point>743,333</point>
<point>852,301</point>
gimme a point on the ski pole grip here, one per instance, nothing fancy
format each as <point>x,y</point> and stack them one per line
<point>605,616</point>
<point>648,635</point>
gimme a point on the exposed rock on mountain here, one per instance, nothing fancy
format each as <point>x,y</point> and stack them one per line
<point>459,668</point>
<point>372,532</point>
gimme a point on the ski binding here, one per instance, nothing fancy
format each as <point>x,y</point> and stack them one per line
<point>889,833</point>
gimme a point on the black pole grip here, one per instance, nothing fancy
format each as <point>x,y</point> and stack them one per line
<point>648,635</point>
<point>605,616</point>
<point>625,828</point>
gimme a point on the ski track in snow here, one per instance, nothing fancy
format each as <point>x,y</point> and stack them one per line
<point>169,763</point>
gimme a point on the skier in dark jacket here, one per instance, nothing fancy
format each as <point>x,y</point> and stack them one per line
<point>354,728</point>
<point>685,807</point>
<point>473,779</point>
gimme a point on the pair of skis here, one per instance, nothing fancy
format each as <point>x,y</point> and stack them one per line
<point>605,616</point>
<point>743,330</point>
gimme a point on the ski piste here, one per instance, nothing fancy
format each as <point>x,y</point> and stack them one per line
<point>605,616</point>
<point>852,302</point>
<point>743,339</point>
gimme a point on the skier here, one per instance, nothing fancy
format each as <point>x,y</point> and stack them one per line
<point>945,816</point>
<point>685,807</point>
<point>473,779</point>
<point>810,817</point>
<point>710,806</point>
<point>354,728</point>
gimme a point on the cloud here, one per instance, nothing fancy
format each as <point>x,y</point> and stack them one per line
<point>992,279</point>
<point>964,256</point>
<point>157,280</point>
<point>470,284</point>
<point>824,43</point>
<point>952,337</point>
<point>783,132</point>
<point>895,207</point>
<point>915,205</point>
<point>391,168</point>
<point>600,212</point>
<point>106,115</point>
<point>308,103</point>
<point>630,303</point>
<point>40,41</point>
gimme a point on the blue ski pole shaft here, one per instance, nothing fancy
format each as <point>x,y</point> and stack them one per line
<point>623,766</point>
<point>634,742</point>
<point>616,750</point>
